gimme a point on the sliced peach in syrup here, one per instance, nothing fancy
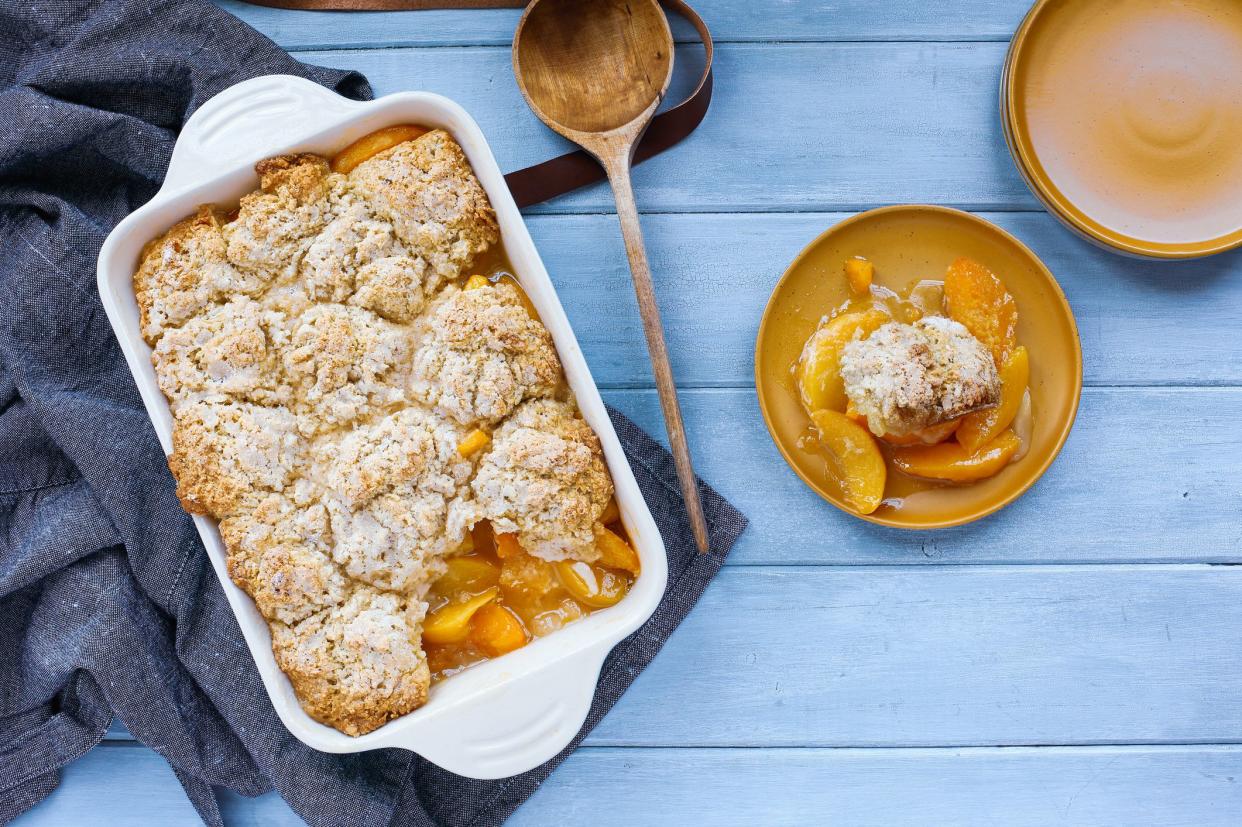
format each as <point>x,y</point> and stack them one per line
<point>975,297</point>
<point>591,585</point>
<point>615,552</point>
<point>819,368</point>
<point>451,623</point>
<point>497,630</point>
<point>854,458</point>
<point>474,442</point>
<point>374,143</point>
<point>859,273</point>
<point>930,435</point>
<point>612,512</point>
<point>981,427</point>
<point>951,462</point>
<point>466,575</point>
<point>507,545</point>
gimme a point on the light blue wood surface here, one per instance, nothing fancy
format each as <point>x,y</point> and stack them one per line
<point>1073,659</point>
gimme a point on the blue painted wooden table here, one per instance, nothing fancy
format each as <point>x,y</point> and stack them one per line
<point>1072,659</point>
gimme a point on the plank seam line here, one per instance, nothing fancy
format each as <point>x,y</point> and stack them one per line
<point>1084,747</point>
<point>325,48</point>
<point>1102,565</point>
<point>812,209</point>
<point>834,211</point>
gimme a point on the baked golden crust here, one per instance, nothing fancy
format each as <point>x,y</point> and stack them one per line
<point>438,209</point>
<point>279,553</point>
<point>275,225</point>
<point>355,666</point>
<point>340,362</point>
<point>904,378</point>
<point>357,259</point>
<point>395,495</point>
<point>186,270</point>
<point>223,452</point>
<point>545,480</point>
<point>322,373</point>
<point>227,352</point>
<point>482,355</point>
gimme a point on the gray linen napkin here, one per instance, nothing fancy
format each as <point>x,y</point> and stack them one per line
<point>108,605</point>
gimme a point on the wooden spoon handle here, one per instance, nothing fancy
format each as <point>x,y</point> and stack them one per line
<point>619,176</point>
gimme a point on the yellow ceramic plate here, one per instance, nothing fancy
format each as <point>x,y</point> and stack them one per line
<point>907,244</point>
<point>1125,118</point>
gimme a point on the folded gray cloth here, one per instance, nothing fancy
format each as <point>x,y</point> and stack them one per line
<point>108,605</point>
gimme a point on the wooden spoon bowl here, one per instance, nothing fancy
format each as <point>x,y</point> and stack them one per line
<point>591,66</point>
<point>595,71</point>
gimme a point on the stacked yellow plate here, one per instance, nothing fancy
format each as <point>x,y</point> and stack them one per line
<point>1125,119</point>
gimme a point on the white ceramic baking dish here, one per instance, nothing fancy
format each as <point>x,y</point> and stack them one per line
<point>503,716</point>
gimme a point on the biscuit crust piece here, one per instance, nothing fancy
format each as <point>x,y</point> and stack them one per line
<point>395,496</point>
<point>342,362</point>
<point>186,270</point>
<point>356,666</point>
<point>275,225</point>
<point>482,355</point>
<point>904,378</point>
<point>224,452</point>
<point>226,353</point>
<point>279,555</point>
<point>545,479</point>
<point>357,259</point>
<point>437,207</point>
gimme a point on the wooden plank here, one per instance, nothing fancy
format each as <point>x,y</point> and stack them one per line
<point>1141,323</point>
<point>1148,475</point>
<point>120,785</point>
<point>730,20</point>
<point>1018,786</point>
<point>904,656</point>
<point>899,122</point>
<point>946,656</point>
<point>1182,786</point>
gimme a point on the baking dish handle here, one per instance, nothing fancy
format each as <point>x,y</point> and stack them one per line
<point>517,727</point>
<point>249,121</point>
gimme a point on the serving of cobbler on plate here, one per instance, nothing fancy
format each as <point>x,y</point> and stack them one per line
<point>367,402</point>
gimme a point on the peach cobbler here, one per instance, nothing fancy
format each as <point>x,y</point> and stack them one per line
<point>927,387</point>
<point>366,400</point>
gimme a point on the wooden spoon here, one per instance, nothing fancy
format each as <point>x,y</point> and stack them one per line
<point>595,71</point>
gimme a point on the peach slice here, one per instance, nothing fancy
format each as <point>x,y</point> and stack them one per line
<point>476,281</point>
<point>612,512</point>
<point>981,427</point>
<point>507,545</point>
<point>859,273</point>
<point>451,623</point>
<point>590,585</point>
<point>975,297</point>
<point>474,442</point>
<point>374,143</point>
<point>854,458</point>
<point>930,435</point>
<point>819,368</point>
<point>466,575</point>
<point>615,552</point>
<point>951,462</point>
<point>496,630</point>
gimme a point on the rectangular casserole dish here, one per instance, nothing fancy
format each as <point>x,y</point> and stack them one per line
<point>503,716</point>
